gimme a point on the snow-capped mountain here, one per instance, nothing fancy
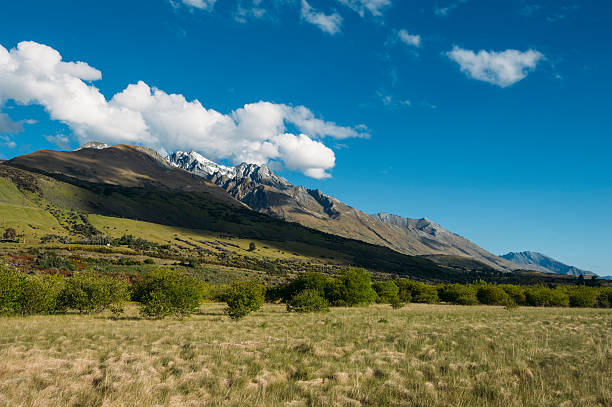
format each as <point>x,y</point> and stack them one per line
<point>199,165</point>
<point>262,190</point>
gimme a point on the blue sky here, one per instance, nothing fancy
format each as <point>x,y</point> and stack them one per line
<point>491,119</point>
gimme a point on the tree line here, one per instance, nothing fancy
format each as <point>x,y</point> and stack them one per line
<point>164,293</point>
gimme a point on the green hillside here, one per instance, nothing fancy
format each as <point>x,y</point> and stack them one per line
<point>43,208</point>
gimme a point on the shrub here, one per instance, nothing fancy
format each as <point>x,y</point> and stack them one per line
<point>516,293</point>
<point>52,260</point>
<point>165,292</point>
<point>40,294</point>
<point>458,294</point>
<point>307,281</point>
<point>352,288</point>
<point>308,301</point>
<point>244,297</point>
<point>10,234</point>
<point>416,291</point>
<point>10,290</point>
<point>493,295</point>
<point>546,297</point>
<point>87,292</point>
<point>387,292</point>
<point>604,299</point>
<point>583,297</point>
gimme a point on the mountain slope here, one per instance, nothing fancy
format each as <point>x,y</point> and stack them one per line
<point>266,192</point>
<point>64,188</point>
<point>540,262</point>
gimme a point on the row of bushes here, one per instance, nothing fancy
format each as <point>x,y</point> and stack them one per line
<point>314,291</point>
<point>160,293</point>
<point>165,292</point>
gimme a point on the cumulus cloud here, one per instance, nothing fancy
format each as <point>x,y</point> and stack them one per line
<point>374,7</point>
<point>327,23</point>
<point>409,39</point>
<point>33,73</point>
<point>498,68</point>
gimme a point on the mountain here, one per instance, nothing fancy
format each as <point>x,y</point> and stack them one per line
<point>264,191</point>
<point>540,262</point>
<point>80,194</point>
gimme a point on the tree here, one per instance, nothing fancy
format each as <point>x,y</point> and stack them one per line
<point>492,295</point>
<point>10,234</point>
<point>417,291</point>
<point>352,288</point>
<point>308,301</point>
<point>244,297</point>
<point>87,292</point>
<point>252,247</point>
<point>165,292</point>
<point>387,292</point>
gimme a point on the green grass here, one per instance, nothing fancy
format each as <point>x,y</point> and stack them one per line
<point>420,355</point>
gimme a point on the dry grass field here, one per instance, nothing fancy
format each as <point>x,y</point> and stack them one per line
<point>420,355</point>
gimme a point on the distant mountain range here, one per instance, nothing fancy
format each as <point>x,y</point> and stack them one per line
<point>540,262</point>
<point>264,191</point>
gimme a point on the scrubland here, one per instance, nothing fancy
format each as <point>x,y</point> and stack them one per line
<point>419,355</point>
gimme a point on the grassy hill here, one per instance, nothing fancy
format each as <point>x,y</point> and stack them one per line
<point>59,206</point>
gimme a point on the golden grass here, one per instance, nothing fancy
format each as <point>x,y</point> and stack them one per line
<point>421,355</point>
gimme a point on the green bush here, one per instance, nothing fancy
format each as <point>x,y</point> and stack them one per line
<point>604,298</point>
<point>416,291</point>
<point>493,295</point>
<point>10,290</point>
<point>583,296</point>
<point>458,294</point>
<point>308,301</point>
<point>87,292</point>
<point>352,288</point>
<point>40,294</point>
<point>244,297</point>
<point>166,292</point>
<point>387,292</point>
<point>516,293</point>
<point>306,281</point>
<point>52,260</point>
<point>540,296</point>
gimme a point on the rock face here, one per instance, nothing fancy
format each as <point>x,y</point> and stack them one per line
<point>540,262</point>
<point>264,191</point>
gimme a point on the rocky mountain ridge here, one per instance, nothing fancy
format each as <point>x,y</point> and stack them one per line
<point>264,191</point>
<point>540,262</point>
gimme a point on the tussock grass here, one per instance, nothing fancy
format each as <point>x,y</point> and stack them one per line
<point>421,355</point>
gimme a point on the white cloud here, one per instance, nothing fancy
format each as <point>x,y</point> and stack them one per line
<point>9,126</point>
<point>499,68</point>
<point>34,73</point>
<point>201,4</point>
<point>327,23</point>
<point>409,39</point>
<point>374,7</point>
<point>59,140</point>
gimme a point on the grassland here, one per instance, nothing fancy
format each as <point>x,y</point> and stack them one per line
<point>420,355</point>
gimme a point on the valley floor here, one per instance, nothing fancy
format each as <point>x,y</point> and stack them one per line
<point>421,355</point>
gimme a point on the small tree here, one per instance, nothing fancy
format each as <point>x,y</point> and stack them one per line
<point>417,291</point>
<point>252,247</point>
<point>10,290</point>
<point>308,301</point>
<point>40,294</point>
<point>10,234</point>
<point>493,295</point>
<point>352,288</point>
<point>387,292</point>
<point>165,292</point>
<point>458,294</point>
<point>244,297</point>
<point>87,292</point>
